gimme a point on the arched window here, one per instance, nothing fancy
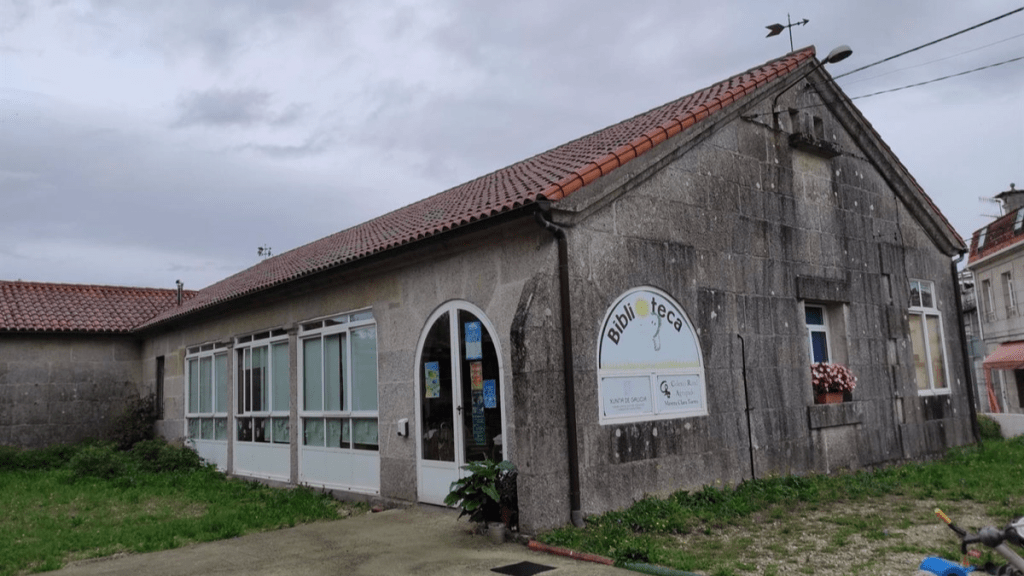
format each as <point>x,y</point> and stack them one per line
<point>649,361</point>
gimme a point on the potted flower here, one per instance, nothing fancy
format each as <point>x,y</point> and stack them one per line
<point>831,382</point>
<point>484,493</point>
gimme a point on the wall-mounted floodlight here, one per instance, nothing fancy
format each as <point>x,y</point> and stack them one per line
<point>839,53</point>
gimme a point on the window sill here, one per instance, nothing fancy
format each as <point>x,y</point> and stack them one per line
<point>831,415</point>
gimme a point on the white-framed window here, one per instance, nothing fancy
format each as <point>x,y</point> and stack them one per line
<point>988,300</point>
<point>338,388</point>
<point>1018,223</point>
<point>650,365</point>
<point>927,340</point>
<point>1008,296</point>
<point>264,393</point>
<point>981,238</point>
<point>819,343</point>
<point>206,403</point>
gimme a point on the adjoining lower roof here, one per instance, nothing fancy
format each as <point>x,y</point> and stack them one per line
<point>43,307</point>
<point>551,175</point>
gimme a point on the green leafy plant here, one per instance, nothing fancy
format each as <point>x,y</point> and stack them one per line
<point>989,428</point>
<point>478,494</point>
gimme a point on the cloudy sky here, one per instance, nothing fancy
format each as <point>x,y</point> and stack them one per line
<point>144,142</point>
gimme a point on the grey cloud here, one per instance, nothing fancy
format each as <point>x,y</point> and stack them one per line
<point>224,108</point>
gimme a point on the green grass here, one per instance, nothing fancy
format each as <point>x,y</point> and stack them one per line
<point>679,531</point>
<point>71,503</point>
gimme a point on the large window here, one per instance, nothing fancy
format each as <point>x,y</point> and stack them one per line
<point>263,388</point>
<point>339,382</point>
<point>206,371</point>
<point>927,339</point>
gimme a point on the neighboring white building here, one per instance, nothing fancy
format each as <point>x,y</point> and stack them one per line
<point>997,264</point>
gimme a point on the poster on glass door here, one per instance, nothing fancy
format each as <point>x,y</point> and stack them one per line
<point>474,346</point>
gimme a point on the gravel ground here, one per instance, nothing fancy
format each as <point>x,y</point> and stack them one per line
<point>881,537</point>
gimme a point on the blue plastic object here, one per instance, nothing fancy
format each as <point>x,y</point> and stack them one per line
<point>944,567</point>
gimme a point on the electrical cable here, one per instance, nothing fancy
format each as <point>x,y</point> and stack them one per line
<point>938,79</point>
<point>848,82</point>
<point>931,43</point>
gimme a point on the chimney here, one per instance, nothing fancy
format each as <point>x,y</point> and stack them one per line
<point>1012,199</point>
<point>180,286</point>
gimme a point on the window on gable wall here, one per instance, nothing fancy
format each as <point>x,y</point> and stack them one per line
<point>206,411</point>
<point>339,382</point>
<point>817,332</point>
<point>263,388</point>
<point>926,337</point>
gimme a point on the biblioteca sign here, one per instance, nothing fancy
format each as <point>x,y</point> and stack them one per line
<point>649,362</point>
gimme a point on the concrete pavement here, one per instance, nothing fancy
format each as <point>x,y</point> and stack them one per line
<point>420,540</point>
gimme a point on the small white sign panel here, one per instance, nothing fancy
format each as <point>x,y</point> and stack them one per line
<point>626,396</point>
<point>679,393</point>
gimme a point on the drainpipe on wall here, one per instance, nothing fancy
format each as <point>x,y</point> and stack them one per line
<point>575,507</point>
<point>746,400</point>
<point>964,351</point>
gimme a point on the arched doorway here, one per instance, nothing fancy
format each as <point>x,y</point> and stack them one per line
<point>459,408</point>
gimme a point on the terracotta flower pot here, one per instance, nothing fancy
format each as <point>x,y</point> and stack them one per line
<point>829,398</point>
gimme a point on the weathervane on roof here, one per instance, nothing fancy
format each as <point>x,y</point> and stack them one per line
<point>776,29</point>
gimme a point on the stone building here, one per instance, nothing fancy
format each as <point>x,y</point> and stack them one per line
<point>996,263</point>
<point>69,358</point>
<point>630,313</point>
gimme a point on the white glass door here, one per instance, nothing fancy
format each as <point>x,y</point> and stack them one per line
<point>459,408</point>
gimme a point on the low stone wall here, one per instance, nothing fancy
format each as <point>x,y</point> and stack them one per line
<point>60,389</point>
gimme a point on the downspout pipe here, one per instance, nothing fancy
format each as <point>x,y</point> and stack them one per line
<point>575,506</point>
<point>964,351</point>
<point>746,400</point>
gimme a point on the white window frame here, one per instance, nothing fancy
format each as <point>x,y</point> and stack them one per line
<point>920,311</point>
<point>341,324</point>
<point>989,300</point>
<point>822,328</point>
<point>1008,295</point>
<point>1018,222</point>
<point>243,353</point>
<point>194,419</point>
<point>981,238</point>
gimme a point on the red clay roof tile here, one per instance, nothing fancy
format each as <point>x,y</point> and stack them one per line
<point>43,307</point>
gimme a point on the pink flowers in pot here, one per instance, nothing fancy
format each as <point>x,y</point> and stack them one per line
<point>827,377</point>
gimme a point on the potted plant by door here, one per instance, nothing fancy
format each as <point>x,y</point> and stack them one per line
<point>831,382</point>
<point>480,497</point>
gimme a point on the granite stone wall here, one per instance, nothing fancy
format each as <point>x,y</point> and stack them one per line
<point>62,389</point>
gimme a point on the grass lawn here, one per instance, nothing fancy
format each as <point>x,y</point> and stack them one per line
<point>857,523</point>
<point>74,502</point>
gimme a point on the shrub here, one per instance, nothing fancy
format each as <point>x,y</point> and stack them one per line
<point>158,456</point>
<point>99,460</point>
<point>135,423</point>
<point>989,428</point>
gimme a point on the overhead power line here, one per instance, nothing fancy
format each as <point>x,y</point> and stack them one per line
<point>938,79</point>
<point>848,82</point>
<point>931,43</point>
